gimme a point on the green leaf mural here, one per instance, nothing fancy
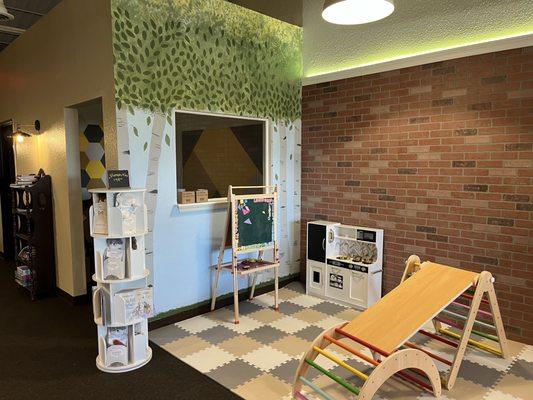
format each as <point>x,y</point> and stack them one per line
<point>205,55</point>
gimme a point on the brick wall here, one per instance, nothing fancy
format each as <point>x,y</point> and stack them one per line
<point>440,156</point>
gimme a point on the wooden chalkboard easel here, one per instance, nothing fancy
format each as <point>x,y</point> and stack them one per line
<point>251,226</point>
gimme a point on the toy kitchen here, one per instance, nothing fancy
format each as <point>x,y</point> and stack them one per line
<point>344,263</point>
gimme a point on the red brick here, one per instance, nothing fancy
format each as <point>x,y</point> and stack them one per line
<point>439,160</point>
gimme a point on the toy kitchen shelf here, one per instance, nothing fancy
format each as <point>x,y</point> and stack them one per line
<point>122,301</point>
<point>344,263</point>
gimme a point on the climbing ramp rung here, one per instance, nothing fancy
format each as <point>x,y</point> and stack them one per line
<point>434,356</point>
<point>319,391</point>
<point>460,327</point>
<point>344,365</point>
<point>338,379</point>
<point>466,306</point>
<point>439,338</point>
<point>300,396</point>
<point>470,297</point>
<point>402,374</point>
<point>471,342</point>
<point>459,316</point>
<point>364,343</point>
<point>353,351</point>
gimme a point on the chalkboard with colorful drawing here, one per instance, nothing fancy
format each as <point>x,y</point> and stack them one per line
<point>254,223</point>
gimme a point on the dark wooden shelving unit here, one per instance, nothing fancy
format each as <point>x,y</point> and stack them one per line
<point>33,231</point>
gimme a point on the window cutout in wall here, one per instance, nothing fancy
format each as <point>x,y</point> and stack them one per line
<point>214,151</point>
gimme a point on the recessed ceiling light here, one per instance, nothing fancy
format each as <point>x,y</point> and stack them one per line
<point>355,12</point>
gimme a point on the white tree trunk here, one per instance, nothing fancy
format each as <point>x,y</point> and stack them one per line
<point>158,126</point>
<point>123,139</point>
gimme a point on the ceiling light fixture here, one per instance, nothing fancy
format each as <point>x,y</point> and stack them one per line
<point>355,12</point>
<point>4,14</point>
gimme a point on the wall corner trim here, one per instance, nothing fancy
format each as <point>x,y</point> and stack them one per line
<point>509,43</point>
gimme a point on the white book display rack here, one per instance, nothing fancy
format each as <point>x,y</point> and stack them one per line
<point>122,302</point>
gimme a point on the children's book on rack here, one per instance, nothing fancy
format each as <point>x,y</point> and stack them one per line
<point>118,214</point>
<point>119,258</point>
<point>23,275</point>
<point>116,346</point>
<point>124,307</point>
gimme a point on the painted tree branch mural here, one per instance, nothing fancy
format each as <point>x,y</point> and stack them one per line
<point>205,55</point>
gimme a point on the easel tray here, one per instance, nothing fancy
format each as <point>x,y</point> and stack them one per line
<point>249,267</point>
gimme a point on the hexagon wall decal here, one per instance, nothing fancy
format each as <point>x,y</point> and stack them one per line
<point>93,133</point>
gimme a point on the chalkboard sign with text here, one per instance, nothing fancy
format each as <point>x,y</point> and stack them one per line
<point>118,178</point>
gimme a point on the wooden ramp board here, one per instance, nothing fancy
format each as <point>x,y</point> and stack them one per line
<point>403,311</point>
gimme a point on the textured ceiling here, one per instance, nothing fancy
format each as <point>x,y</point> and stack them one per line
<point>286,10</point>
<point>26,13</point>
<point>417,26</point>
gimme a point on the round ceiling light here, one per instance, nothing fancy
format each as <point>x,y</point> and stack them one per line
<point>355,12</point>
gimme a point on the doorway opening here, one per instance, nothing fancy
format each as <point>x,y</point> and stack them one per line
<point>86,149</point>
<point>7,177</point>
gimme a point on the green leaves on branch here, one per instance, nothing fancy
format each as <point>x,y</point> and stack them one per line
<point>164,63</point>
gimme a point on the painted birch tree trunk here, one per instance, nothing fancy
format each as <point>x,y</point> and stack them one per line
<point>123,145</point>
<point>151,186</point>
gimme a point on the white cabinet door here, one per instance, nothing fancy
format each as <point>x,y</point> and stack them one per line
<point>338,283</point>
<point>358,288</point>
<point>316,276</point>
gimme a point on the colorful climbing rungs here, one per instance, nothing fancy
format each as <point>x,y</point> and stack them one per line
<point>353,351</point>
<point>361,341</point>
<point>319,391</point>
<point>434,356</point>
<point>459,316</point>
<point>471,342</point>
<point>300,396</point>
<point>480,312</point>
<point>458,326</point>
<point>338,379</point>
<point>338,361</point>
<point>376,363</point>
<point>470,297</point>
<point>439,338</point>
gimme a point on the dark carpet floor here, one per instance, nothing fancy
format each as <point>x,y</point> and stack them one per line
<point>48,349</point>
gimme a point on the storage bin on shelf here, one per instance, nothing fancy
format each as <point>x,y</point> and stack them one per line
<point>109,267</point>
<point>118,213</point>
<point>123,348</point>
<point>122,302</point>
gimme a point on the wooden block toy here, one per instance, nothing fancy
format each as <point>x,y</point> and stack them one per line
<point>186,197</point>
<point>201,195</point>
<point>426,291</point>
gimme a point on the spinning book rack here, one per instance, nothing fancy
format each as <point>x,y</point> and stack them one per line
<point>427,291</point>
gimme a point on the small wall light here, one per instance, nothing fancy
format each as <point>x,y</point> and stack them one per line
<point>355,12</point>
<point>19,134</point>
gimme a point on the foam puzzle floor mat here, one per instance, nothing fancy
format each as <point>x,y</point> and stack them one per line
<point>257,358</point>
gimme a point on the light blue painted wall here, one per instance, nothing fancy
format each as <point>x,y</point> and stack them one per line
<point>185,244</point>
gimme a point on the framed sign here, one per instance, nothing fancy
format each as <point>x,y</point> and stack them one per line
<point>119,178</point>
